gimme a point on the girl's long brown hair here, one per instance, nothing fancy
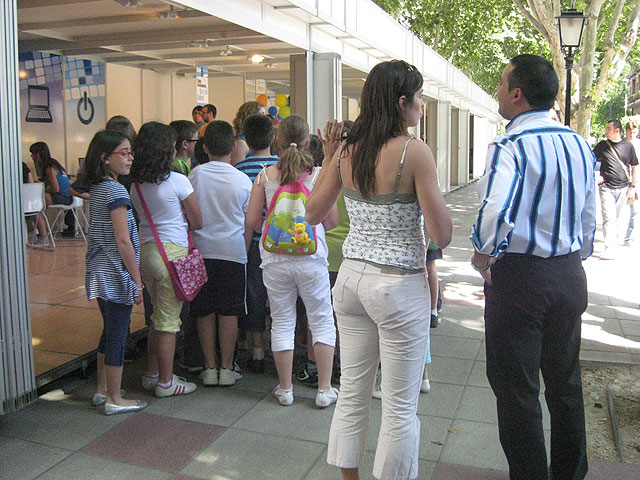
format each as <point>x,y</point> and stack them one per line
<point>380,118</point>
<point>293,133</point>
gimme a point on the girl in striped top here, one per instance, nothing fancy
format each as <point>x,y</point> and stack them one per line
<point>112,275</point>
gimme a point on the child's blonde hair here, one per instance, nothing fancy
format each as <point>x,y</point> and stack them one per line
<point>293,133</point>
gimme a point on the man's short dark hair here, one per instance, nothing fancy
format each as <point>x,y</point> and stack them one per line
<point>219,138</point>
<point>616,124</point>
<point>212,109</point>
<point>197,108</point>
<point>184,131</point>
<point>258,131</point>
<point>536,78</point>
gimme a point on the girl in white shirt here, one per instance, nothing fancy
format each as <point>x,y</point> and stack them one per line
<point>166,194</point>
<point>286,276</point>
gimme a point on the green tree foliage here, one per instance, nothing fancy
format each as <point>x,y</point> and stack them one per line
<point>479,36</point>
<point>611,107</point>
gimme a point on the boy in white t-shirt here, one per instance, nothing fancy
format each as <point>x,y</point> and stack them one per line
<point>223,195</point>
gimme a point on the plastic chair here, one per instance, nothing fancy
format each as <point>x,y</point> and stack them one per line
<point>76,205</point>
<point>33,205</point>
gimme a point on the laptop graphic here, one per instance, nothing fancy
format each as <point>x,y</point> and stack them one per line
<point>38,105</point>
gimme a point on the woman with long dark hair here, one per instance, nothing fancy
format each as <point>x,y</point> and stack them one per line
<point>167,195</point>
<point>112,273</point>
<point>56,182</point>
<point>381,296</point>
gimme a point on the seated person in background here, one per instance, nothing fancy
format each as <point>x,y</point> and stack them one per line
<point>56,182</point>
<point>27,177</point>
<point>185,144</point>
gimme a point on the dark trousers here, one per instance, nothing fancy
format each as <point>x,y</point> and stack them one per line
<point>532,323</point>
<point>254,320</point>
<point>116,318</point>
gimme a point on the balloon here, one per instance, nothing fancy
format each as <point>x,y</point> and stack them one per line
<point>262,98</point>
<point>281,100</point>
<point>273,111</point>
<point>284,111</point>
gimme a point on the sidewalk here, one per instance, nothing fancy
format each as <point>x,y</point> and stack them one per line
<point>242,433</point>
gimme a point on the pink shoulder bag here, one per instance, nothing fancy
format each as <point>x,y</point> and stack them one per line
<point>188,274</point>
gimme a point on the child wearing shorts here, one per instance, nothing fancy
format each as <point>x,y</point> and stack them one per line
<point>222,192</point>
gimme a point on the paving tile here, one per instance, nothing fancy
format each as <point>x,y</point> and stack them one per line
<point>441,401</point>
<point>455,347</point>
<point>154,441</point>
<point>302,420</point>
<point>482,352</point>
<point>446,471</point>
<point>628,313</point>
<point>478,376</point>
<point>271,458</point>
<point>24,460</point>
<point>607,323</point>
<point>478,404</point>
<point>80,466</point>
<point>323,471</point>
<point>462,326</point>
<point>606,470</point>
<point>598,310</point>
<point>216,406</point>
<point>605,357</point>
<point>474,444</point>
<point>449,370</point>
<point>630,327</point>
<point>48,422</point>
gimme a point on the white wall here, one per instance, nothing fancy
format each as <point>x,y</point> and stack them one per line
<point>145,96</point>
<point>227,94</point>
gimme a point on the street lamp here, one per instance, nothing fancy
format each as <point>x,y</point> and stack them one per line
<point>570,25</point>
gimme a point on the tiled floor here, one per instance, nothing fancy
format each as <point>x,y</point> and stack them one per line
<point>240,432</point>
<point>65,325</point>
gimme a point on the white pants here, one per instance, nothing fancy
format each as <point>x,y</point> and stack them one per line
<point>382,317</point>
<point>613,201</point>
<point>311,280</point>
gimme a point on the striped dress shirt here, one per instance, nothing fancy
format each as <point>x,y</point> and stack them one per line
<point>537,192</point>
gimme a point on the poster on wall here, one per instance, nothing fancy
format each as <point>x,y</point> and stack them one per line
<point>202,85</point>
<point>41,106</point>
<point>84,96</point>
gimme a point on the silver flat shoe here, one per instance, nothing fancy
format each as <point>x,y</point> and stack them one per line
<point>113,409</point>
<point>99,399</point>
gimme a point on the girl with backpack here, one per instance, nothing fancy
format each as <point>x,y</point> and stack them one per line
<point>294,258</point>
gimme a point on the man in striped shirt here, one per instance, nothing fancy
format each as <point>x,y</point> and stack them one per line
<point>535,223</point>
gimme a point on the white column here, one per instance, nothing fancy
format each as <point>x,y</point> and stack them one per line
<point>326,88</point>
<point>17,380</point>
<point>439,138</point>
<point>459,173</point>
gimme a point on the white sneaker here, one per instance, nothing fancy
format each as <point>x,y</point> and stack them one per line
<point>285,397</point>
<point>227,377</point>
<point>324,398</point>
<point>237,373</point>
<point>179,386</point>
<point>209,376</point>
<point>425,386</point>
<point>149,383</point>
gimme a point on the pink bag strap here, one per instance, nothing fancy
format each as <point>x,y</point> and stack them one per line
<point>147,213</point>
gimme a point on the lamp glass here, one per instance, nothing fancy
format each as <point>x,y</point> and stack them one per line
<point>570,26</point>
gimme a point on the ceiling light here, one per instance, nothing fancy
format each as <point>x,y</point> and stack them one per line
<point>168,15</point>
<point>257,58</point>
<point>226,53</point>
<point>129,3</point>
<point>271,65</point>
<point>198,44</point>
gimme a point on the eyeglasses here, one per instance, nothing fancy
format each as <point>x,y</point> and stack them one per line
<point>124,152</point>
<point>192,140</point>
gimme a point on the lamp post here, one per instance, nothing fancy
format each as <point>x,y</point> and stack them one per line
<point>570,25</point>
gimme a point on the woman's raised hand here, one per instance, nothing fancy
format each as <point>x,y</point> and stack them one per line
<point>331,138</point>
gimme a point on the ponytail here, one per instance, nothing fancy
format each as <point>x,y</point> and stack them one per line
<point>294,161</point>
